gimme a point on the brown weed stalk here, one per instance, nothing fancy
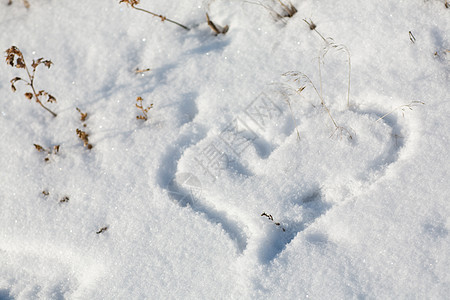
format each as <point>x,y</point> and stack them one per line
<point>270,217</point>
<point>133,4</point>
<point>303,81</point>
<point>144,111</point>
<point>14,58</point>
<point>216,28</point>
<point>49,152</point>
<point>284,9</point>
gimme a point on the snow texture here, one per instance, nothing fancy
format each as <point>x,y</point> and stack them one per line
<point>246,181</point>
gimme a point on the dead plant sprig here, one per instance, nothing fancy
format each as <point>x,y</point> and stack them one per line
<point>133,4</point>
<point>270,217</point>
<point>52,151</point>
<point>403,108</point>
<point>330,44</point>
<point>313,26</point>
<point>303,81</point>
<point>287,10</point>
<point>141,71</point>
<point>83,116</point>
<point>64,199</point>
<point>85,138</point>
<point>144,111</point>
<point>216,28</point>
<point>14,58</point>
<point>101,230</point>
<point>81,133</point>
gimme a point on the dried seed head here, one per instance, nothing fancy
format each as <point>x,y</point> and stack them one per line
<point>10,59</point>
<point>36,63</point>
<point>13,50</point>
<point>83,116</point>
<point>130,2</point>
<point>51,99</point>
<point>20,64</point>
<point>29,96</point>
<point>64,199</point>
<point>39,147</point>
<point>13,81</point>
<point>47,63</point>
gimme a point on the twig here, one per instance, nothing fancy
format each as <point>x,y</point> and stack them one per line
<point>133,4</point>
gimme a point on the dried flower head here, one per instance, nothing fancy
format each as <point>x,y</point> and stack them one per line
<point>140,106</point>
<point>130,2</point>
<point>14,58</point>
<point>84,137</point>
<point>83,115</point>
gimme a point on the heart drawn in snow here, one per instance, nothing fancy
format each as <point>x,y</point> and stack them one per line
<point>278,166</point>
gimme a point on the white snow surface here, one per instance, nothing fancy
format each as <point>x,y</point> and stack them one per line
<point>359,211</point>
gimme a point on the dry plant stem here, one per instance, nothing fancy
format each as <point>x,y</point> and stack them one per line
<point>20,63</point>
<point>140,106</point>
<point>34,91</point>
<point>402,107</point>
<point>271,10</point>
<point>161,17</point>
<point>298,77</point>
<point>320,77</point>
<point>291,10</point>
<point>339,47</point>
<point>217,30</point>
<point>332,44</point>
<point>312,26</point>
<point>322,102</point>
<point>138,71</point>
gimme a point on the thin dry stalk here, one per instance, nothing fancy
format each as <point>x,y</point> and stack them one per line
<point>288,10</point>
<point>144,111</point>
<point>140,71</point>
<point>313,26</point>
<point>339,47</point>
<point>133,4</point>
<point>270,217</point>
<point>14,58</point>
<point>402,108</point>
<point>303,80</point>
<point>216,28</point>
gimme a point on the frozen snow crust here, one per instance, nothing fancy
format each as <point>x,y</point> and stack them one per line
<point>238,185</point>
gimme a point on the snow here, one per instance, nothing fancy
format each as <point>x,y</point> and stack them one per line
<point>236,186</point>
